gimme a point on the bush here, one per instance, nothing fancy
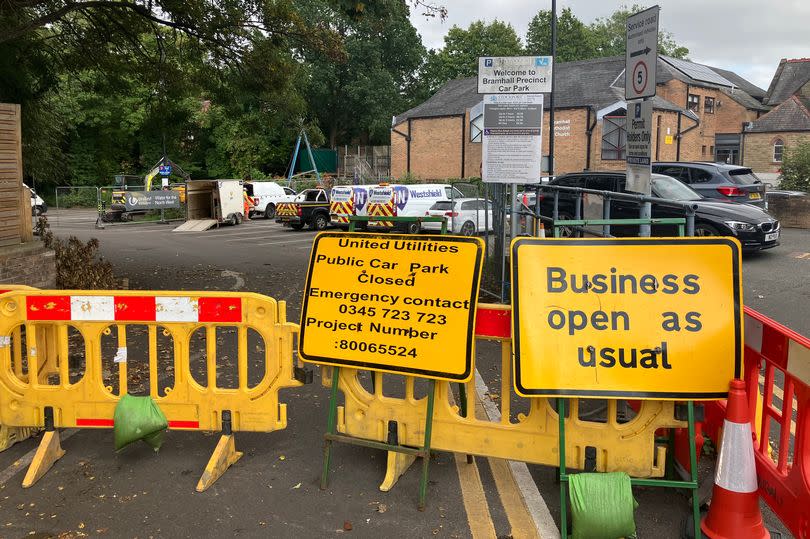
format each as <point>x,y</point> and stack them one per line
<point>78,266</point>
<point>796,167</point>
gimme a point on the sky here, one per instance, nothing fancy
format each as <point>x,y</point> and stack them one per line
<point>748,37</point>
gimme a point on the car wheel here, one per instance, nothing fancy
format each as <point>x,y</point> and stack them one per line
<point>270,211</point>
<point>413,228</point>
<point>231,219</point>
<point>297,226</point>
<point>238,218</point>
<point>319,222</point>
<point>468,228</point>
<point>702,229</point>
<point>566,231</point>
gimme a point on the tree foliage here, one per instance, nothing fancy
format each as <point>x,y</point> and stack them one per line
<point>796,167</point>
<point>603,37</point>
<point>459,56</point>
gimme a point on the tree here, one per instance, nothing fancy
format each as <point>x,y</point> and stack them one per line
<point>608,35</point>
<point>796,167</point>
<point>574,41</point>
<point>459,55</point>
<point>354,99</point>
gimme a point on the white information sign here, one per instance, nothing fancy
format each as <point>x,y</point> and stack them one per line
<point>512,150</point>
<point>514,74</point>
<point>639,145</point>
<point>641,56</point>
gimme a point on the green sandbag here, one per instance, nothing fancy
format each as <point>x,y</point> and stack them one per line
<point>602,506</point>
<point>138,418</point>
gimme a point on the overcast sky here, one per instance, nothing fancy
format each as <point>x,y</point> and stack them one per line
<point>748,37</point>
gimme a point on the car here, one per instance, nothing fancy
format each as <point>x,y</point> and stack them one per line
<point>465,216</point>
<point>38,206</point>
<point>731,183</point>
<point>752,226</point>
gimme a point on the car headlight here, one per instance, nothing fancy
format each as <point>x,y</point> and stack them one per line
<point>739,226</point>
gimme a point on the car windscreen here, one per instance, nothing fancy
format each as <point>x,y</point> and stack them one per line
<point>743,176</point>
<point>672,189</point>
<point>442,205</point>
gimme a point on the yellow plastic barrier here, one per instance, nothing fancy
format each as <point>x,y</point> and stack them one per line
<point>627,446</point>
<point>11,435</point>
<point>78,342</point>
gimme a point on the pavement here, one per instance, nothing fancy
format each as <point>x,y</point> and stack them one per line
<point>273,489</point>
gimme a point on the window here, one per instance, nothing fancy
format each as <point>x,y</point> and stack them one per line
<point>778,150</point>
<point>700,176</point>
<point>708,105</point>
<point>288,191</point>
<point>614,138</point>
<point>601,183</point>
<point>476,128</point>
<point>469,205</point>
<point>703,150</point>
<point>679,173</point>
<point>572,181</point>
<point>693,102</point>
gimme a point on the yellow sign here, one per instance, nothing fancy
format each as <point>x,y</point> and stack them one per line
<point>395,303</point>
<point>667,139</point>
<point>657,318</point>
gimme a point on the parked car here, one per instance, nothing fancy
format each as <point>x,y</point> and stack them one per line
<point>465,216</point>
<point>38,206</point>
<point>752,226</point>
<point>732,183</point>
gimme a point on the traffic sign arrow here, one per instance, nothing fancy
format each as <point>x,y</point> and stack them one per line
<point>643,51</point>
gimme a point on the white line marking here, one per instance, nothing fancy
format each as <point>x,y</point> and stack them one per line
<point>23,462</point>
<point>286,242</point>
<point>535,503</point>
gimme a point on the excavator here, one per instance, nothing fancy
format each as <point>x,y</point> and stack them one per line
<point>165,167</point>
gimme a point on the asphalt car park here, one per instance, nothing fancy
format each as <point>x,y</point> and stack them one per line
<point>273,490</point>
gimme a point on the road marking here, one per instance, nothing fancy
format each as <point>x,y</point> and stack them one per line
<point>533,502</point>
<point>285,242</point>
<point>475,501</point>
<point>802,256</point>
<point>23,462</point>
<point>260,234</point>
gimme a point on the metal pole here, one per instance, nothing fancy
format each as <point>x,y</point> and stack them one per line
<point>423,483</point>
<point>646,213</point>
<point>515,216</point>
<point>551,96</point>
<point>690,222</point>
<point>311,158</point>
<point>606,215</point>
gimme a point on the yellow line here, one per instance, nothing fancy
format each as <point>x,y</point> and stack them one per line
<point>520,521</point>
<point>475,502</point>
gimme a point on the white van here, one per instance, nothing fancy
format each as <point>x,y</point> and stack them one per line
<point>38,206</point>
<point>345,201</point>
<point>267,195</point>
<point>408,201</point>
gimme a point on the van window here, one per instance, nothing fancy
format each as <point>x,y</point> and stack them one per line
<point>452,192</point>
<point>288,191</point>
<point>743,176</point>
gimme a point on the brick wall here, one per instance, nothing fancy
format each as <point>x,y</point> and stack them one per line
<point>436,148</point>
<point>792,212</point>
<point>758,149</point>
<point>28,263</point>
<point>399,151</point>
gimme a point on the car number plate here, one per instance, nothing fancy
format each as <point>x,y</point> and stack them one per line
<point>773,236</point>
<point>754,196</point>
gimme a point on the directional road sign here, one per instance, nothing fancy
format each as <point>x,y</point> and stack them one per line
<point>641,57</point>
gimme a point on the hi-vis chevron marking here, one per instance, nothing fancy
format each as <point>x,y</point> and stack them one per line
<point>285,209</point>
<point>381,210</point>
<point>340,211</point>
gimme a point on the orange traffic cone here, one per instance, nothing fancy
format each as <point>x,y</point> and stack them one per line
<point>734,512</point>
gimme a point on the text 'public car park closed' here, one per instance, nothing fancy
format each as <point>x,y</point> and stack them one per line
<point>637,317</point>
<point>394,303</point>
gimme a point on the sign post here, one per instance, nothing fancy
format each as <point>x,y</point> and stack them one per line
<point>640,67</point>
<point>383,303</point>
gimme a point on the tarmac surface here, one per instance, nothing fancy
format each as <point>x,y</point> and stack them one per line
<point>274,489</point>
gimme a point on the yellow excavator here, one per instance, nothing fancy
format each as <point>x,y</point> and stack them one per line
<point>164,168</point>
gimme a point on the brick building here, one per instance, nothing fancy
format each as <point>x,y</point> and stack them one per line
<point>698,114</point>
<point>786,124</point>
